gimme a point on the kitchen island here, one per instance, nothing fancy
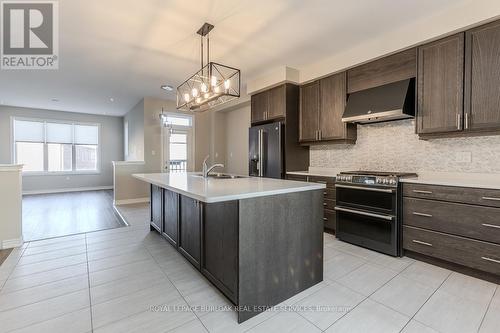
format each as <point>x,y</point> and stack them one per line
<point>258,240</point>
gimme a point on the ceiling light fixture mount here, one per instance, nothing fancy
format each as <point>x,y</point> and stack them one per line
<point>167,87</point>
<point>214,84</point>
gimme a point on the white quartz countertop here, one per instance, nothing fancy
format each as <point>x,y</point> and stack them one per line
<point>217,190</point>
<point>476,180</point>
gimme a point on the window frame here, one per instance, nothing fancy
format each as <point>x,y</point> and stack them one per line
<point>46,172</point>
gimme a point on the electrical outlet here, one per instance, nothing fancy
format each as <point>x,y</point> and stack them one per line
<point>463,157</point>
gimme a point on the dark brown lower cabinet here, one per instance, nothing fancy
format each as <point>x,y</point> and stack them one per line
<point>220,246</point>
<point>479,255</point>
<point>171,217</point>
<point>457,225</point>
<point>156,208</point>
<point>190,230</point>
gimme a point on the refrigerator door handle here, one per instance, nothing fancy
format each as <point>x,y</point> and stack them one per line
<point>261,153</point>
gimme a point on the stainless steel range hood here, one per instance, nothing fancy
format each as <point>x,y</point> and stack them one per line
<point>393,101</point>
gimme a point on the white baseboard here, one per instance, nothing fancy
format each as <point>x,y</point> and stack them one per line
<point>11,243</point>
<point>64,190</point>
<point>130,201</point>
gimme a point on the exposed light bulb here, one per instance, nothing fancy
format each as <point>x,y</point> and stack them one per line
<point>204,87</point>
<point>227,84</point>
<point>207,95</point>
<point>186,97</point>
<point>217,89</point>
<point>198,100</point>
<point>213,81</point>
<point>195,92</point>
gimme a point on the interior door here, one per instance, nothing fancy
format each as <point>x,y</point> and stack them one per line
<point>309,109</point>
<point>482,79</point>
<point>178,150</point>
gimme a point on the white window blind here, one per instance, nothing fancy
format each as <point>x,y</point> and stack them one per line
<point>86,134</point>
<point>59,133</point>
<point>29,131</point>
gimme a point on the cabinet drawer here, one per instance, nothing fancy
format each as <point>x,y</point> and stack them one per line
<point>475,196</point>
<point>329,204</point>
<point>482,223</point>
<point>467,252</point>
<point>329,194</point>
<point>328,181</point>
<point>299,178</point>
<point>329,217</point>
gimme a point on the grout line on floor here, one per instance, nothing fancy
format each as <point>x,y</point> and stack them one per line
<point>88,284</point>
<point>41,284</point>
<point>182,296</point>
<point>427,300</point>
<point>13,266</point>
<point>487,309</point>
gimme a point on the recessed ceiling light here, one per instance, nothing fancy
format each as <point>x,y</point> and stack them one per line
<point>167,87</point>
<point>55,100</point>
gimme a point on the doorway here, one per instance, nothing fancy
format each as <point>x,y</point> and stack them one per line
<point>178,143</point>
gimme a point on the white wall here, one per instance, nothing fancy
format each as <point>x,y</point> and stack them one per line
<point>11,233</point>
<point>111,142</point>
<point>135,121</point>
<point>237,124</point>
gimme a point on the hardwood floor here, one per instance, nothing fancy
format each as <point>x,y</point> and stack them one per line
<point>4,254</point>
<point>61,214</point>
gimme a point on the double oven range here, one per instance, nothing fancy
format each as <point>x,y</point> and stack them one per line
<point>368,209</point>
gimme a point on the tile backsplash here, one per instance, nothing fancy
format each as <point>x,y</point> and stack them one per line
<point>394,146</point>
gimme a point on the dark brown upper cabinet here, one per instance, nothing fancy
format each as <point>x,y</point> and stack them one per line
<point>393,68</point>
<point>322,104</point>
<point>309,112</point>
<point>482,78</point>
<point>270,104</point>
<point>441,86</point>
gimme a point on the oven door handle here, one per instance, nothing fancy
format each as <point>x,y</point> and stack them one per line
<point>373,189</point>
<point>360,212</point>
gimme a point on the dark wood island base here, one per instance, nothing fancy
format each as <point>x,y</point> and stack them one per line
<point>258,251</point>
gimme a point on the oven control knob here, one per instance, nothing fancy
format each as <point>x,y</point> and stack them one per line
<point>392,181</point>
<point>386,181</point>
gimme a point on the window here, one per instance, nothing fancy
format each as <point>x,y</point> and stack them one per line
<point>50,146</point>
<point>178,151</point>
<point>178,120</point>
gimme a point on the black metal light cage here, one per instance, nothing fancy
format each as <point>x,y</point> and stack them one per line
<point>212,85</point>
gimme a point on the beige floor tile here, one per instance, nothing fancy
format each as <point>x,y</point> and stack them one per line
<point>42,292</point>
<point>427,274</point>
<point>74,322</point>
<point>50,255</point>
<point>194,326</point>
<point>341,265</point>
<point>367,278</point>
<point>403,295</point>
<point>48,265</point>
<point>491,321</point>
<point>285,322</point>
<point>44,277</point>
<point>415,327</point>
<point>44,310</point>
<point>335,301</point>
<point>371,317</point>
<point>123,272</point>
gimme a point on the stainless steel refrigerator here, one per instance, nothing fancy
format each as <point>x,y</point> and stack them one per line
<point>266,151</point>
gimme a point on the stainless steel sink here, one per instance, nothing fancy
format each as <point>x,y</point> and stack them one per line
<point>221,176</point>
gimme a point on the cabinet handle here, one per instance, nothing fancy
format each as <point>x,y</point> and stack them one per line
<point>320,135</point>
<point>459,121</point>
<point>422,214</point>
<point>491,198</point>
<point>324,203</point>
<point>422,243</point>
<point>491,259</point>
<point>325,219</point>
<point>422,192</point>
<point>325,193</point>
<point>466,121</point>
<point>490,225</point>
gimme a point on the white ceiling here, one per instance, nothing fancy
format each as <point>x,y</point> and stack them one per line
<point>125,49</point>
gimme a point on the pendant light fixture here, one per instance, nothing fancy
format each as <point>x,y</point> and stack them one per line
<point>212,85</point>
